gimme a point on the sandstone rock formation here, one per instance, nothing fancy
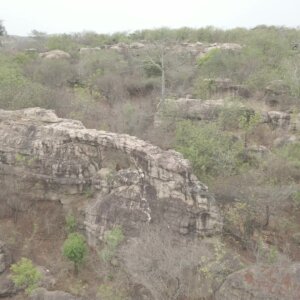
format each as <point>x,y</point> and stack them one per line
<point>111,178</point>
<point>227,86</point>
<point>262,282</point>
<point>277,119</point>
<point>55,54</point>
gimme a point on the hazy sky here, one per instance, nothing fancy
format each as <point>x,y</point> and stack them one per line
<point>106,16</point>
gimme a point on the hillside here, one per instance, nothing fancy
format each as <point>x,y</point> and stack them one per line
<point>161,164</point>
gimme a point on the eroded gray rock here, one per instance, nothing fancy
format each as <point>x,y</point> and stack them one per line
<point>5,257</point>
<point>262,282</point>
<point>44,157</point>
<point>7,287</point>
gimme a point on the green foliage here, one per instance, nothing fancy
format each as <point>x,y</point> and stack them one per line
<point>112,239</point>
<point>63,42</point>
<point>25,275</point>
<point>267,55</point>
<point>75,249</point>
<point>208,57</point>
<point>152,69</point>
<point>265,253</point>
<point>211,151</point>
<point>71,224</point>
<point>247,122</point>
<point>18,91</point>
<point>232,113</point>
<point>53,73</point>
<point>291,153</point>
<point>109,292</point>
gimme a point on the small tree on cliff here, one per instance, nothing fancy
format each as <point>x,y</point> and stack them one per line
<point>75,249</point>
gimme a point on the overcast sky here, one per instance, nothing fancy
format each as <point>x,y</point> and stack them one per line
<point>107,16</point>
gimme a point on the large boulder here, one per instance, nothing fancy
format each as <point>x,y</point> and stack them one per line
<point>43,157</point>
<point>55,54</point>
<point>277,119</point>
<point>262,282</point>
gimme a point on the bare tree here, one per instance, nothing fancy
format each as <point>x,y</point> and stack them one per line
<point>165,265</point>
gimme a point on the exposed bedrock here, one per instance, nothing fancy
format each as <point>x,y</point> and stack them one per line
<point>111,178</point>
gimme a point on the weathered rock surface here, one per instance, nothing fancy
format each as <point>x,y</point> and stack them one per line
<point>43,294</point>
<point>111,178</point>
<point>55,54</point>
<point>5,257</point>
<point>226,85</point>
<point>262,283</point>
<point>277,119</point>
<point>89,50</point>
<point>184,108</point>
<point>7,287</point>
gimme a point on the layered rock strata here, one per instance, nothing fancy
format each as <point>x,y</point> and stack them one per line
<point>111,178</point>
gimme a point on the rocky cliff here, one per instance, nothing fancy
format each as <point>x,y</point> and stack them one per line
<point>108,178</point>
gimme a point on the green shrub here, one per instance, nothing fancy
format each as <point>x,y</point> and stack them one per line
<point>75,249</point>
<point>231,114</point>
<point>71,224</point>
<point>291,153</point>
<point>211,151</point>
<point>152,69</point>
<point>109,292</point>
<point>25,275</point>
<point>112,239</point>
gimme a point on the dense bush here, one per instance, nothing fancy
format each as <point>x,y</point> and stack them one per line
<point>211,151</point>
<point>25,275</point>
<point>75,249</point>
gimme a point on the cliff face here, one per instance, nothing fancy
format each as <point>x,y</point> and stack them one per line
<point>110,178</point>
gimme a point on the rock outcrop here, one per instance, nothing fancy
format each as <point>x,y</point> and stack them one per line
<point>262,282</point>
<point>227,86</point>
<point>5,257</point>
<point>277,119</point>
<point>110,178</point>
<point>55,54</point>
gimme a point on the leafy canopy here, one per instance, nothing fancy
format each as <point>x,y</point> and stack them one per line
<point>25,275</point>
<point>75,249</point>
